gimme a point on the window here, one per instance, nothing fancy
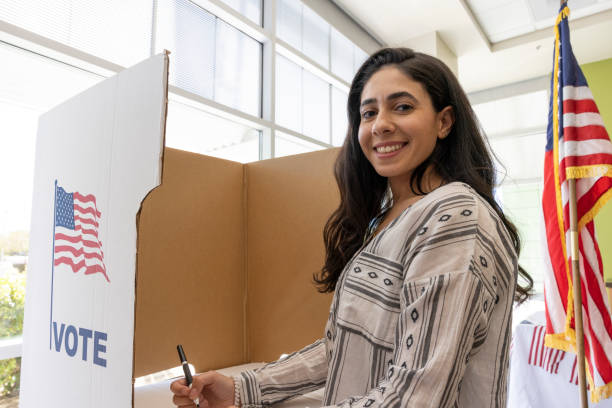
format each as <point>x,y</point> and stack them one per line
<point>342,63</point>
<point>302,100</point>
<point>237,82</point>
<point>315,107</point>
<point>521,203</point>
<point>85,24</point>
<point>251,9</point>
<point>288,94</point>
<point>346,57</point>
<point>289,22</point>
<point>208,56</point>
<point>188,32</point>
<point>286,145</point>
<point>516,128</point>
<point>339,116</point>
<point>191,129</point>
<point>315,37</point>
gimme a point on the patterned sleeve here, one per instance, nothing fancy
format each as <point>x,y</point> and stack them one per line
<point>445,307</point>
<point>297,374</point>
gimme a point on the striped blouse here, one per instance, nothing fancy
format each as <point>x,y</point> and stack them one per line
<point>421,316</point>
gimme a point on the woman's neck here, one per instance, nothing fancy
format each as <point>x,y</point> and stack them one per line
<point>404,194</point>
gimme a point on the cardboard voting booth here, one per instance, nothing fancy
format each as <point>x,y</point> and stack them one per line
<point>136,248</point>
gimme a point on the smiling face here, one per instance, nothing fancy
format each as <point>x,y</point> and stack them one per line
<point>399,126</point>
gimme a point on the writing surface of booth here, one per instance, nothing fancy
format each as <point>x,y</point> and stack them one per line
<point>97,156</point>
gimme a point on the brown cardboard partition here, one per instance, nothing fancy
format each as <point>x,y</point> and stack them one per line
<point>226,254</point>
<point>189,280</point>
<point>289,200</point>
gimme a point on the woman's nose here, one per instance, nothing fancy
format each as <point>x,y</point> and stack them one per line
<point>383,124</point>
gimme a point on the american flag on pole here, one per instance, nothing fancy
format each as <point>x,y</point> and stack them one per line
<point>578,147</point>
<point>77,243</point>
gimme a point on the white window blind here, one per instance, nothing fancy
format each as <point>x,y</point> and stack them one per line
<point>315,104</point>
<point>289,22</point>
<point>251,9</point>
<point>342,63</point>
<point>208,56</point>
<point>338,116</point>
<point>359,57</point>
<point>237,69</point>
<point>188,32</point>
<point>304,30</point>
<point>115,30</point>
<point>288,94</point>
<point>315,37</point>
<point>302,100</point>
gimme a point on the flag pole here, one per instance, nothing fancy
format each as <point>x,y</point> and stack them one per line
<point>577,293</point>
<point>577,286</point>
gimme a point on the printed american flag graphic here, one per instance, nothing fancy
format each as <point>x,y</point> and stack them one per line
<point>577,147</point>
<point>77,243</point>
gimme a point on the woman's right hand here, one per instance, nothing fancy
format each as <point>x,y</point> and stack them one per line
<point>213,389</point>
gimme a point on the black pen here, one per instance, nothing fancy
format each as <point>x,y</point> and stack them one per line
<point>186,370</point>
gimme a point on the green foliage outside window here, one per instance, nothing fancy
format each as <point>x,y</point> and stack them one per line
<point>12,300</point>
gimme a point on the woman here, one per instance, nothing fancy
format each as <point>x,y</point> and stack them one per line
<point>422,260</point>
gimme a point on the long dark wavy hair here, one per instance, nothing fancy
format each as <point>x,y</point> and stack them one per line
<point>461,156</point>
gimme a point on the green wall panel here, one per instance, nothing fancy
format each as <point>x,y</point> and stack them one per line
<point>599,77</point>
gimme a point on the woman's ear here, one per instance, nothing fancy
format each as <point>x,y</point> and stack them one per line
<point>446,118</point>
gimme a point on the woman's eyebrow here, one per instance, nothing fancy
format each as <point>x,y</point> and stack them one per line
<point>394,95</point>
<point>368,101</point>
<point>402,94</point>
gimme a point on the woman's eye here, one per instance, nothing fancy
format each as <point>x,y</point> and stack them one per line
<point>368,114</point>
<point>403,107</point>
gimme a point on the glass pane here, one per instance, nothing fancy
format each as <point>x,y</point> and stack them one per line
<point>10,371</point>
<point>315,119</point>
<point>236,86</point>
<point>515,114</point>
<point>341,55</point>
<point>359,58</point>
<point>251,9</point>
<point>289,22</point>
<point>190,129</point>
<point>36,84</point>
<point>286,145</point>
<point>339,116</point>
<point>522,204</point>
<point>515,152</point>
<point>17,145</point>
<point>85,25</point>
<point>288,94</point>
<point>188,32</point>
<point>315,37</point>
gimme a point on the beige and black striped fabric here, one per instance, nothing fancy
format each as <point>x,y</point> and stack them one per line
<point>421,316</point>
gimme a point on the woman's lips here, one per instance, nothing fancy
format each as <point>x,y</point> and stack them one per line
<point>388,149</point>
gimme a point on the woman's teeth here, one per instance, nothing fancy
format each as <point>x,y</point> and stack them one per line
<point>389,149</point>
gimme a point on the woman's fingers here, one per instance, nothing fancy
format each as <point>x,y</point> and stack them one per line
<point>199,382</point>
<point>179,387</point>
<point>182,401</point>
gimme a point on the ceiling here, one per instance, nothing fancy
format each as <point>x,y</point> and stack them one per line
<point>496,42</point>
